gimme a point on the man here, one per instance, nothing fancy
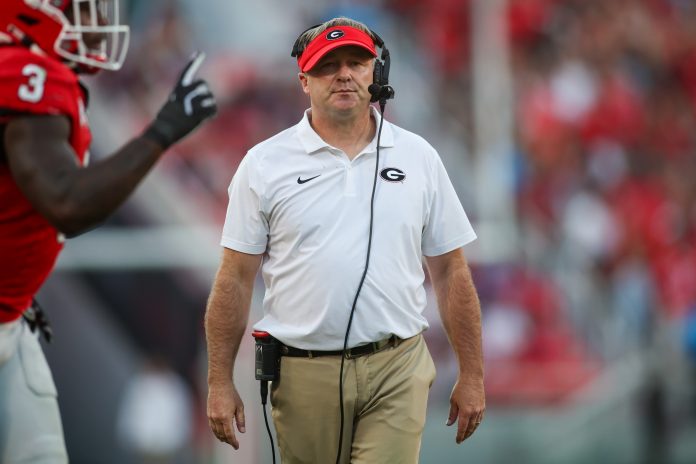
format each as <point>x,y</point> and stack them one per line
<point>48,191</point>
<point>300,207</point>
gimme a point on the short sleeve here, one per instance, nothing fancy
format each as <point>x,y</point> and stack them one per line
<point>246,227</point>
<point>36,85</point>
<point>447,226</point>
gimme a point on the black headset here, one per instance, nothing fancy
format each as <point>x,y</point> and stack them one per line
<point>380,90</point>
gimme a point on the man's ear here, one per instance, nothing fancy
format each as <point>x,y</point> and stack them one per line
<point>303,81</point>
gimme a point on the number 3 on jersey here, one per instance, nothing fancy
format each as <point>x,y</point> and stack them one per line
<point>33,90</point>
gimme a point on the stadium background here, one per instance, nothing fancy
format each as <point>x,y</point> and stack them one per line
<point>569,130</point>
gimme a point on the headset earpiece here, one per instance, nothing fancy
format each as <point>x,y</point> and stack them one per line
<point>375,88</point>
<point>380,90</point>
<point>378,73</point>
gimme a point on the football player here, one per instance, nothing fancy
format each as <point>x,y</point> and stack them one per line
<point>48,189</point>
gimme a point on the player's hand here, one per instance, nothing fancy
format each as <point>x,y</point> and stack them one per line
<point>225,409</point>
<point>467,405</point>
<point>189,104</point>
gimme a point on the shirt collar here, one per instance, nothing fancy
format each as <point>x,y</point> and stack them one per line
<point>312,142</point>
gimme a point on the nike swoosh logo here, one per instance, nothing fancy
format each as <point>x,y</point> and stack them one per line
<point>302,181</point>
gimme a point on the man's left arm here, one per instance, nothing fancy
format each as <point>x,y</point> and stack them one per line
<point>461,317</point>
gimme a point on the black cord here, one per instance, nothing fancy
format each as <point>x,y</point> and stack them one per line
<point>382,104</point>
<point>264,395</point>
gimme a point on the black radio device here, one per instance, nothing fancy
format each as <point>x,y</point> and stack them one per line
<point>267,357</point>
<point>266,368</point>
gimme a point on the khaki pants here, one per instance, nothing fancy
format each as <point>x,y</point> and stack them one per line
<point>384,396</point>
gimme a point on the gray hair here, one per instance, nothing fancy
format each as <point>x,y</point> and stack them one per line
<point>312,34</point>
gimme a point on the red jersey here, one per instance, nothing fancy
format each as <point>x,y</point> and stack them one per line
<point>32,84</point>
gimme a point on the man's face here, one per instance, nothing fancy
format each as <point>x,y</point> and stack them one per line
<point>92,40</point>
<point>338,83</point>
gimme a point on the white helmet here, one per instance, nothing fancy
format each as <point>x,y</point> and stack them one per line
<point>86,32</point>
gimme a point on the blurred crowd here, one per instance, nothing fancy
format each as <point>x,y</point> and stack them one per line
<point>606,116</point>
<point>605,131</point>
<point>605,121</point>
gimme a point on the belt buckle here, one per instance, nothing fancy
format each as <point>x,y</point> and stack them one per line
<point>349,354</point>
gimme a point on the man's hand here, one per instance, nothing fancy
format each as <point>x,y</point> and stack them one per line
<point>467,405</point>
<point>189,104</point>
<point>224,408</point>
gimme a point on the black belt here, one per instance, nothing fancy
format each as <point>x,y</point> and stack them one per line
<point>358,351</point>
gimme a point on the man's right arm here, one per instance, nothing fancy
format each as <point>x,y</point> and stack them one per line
<point>225,322</point>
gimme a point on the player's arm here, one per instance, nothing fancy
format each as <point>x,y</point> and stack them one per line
<point>461,317</point>
<point>72,198</point>
<point>75,199</point>
<point>225,322</point>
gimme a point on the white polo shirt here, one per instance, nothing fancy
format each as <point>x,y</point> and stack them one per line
<point>306,206</point>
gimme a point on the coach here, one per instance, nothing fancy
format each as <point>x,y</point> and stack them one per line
<point>340,242</point>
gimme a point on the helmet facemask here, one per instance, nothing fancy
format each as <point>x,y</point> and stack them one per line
<point>93,35</point>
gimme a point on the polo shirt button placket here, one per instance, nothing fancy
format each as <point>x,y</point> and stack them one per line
<point>350,180</point>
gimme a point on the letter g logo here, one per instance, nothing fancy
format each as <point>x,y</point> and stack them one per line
<point>392,175</point>
<point>335,34</point>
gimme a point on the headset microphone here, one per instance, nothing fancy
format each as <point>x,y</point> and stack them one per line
<point>381,92</point>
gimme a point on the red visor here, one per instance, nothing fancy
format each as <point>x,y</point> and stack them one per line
<point>334,37</point>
